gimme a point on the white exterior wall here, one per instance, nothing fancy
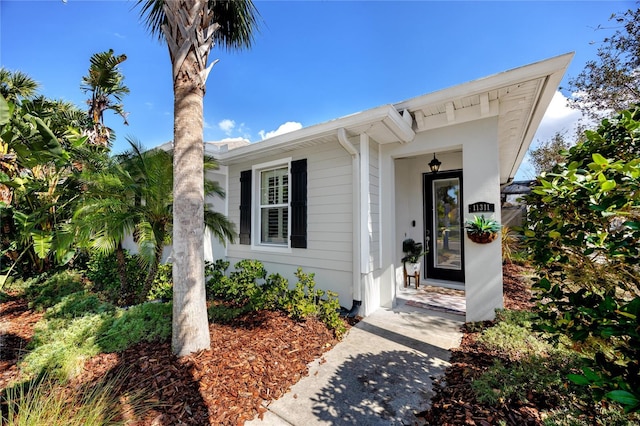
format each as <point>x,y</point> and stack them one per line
<point>472,147</point>
<point>329,252</point>
<point>483,262</point>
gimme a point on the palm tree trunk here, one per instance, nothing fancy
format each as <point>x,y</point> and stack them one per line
<point>190,330</point>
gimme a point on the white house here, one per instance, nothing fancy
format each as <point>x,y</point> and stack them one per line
<point>338,198</point>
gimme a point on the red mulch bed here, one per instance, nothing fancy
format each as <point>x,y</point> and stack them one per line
<point>257,358</point>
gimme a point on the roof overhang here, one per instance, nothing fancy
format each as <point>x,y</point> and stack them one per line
<point>518,98</point>
<point>383,124</point>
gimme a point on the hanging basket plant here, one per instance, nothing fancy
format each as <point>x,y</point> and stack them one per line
<point>482,230</point>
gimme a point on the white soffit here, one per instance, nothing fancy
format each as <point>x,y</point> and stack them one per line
<point>518,98</point>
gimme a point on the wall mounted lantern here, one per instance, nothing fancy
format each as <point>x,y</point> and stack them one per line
<point>434,164</point>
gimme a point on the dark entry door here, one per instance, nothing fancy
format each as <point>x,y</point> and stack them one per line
<point>444,226</point>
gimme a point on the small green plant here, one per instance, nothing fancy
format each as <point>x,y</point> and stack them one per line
<point>482,225</point>
<point>412,251</point>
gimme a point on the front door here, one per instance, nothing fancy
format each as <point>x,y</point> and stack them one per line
<point>443,226</point>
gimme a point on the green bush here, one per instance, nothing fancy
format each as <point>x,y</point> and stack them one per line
<point>77,305</point>
<point>146,322</point>
<point>243,292</point>
<point>305,301</point>
<point>213,272</point>
<point>102,270</point>
<point>241,288</point>
<point>162,287</point>
<point>584,237</point>
<point>49,290</point>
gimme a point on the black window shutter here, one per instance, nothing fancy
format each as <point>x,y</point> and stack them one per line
<point>245,207</point>
<point>299,203</point>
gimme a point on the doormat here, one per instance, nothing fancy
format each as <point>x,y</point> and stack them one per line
<point>439,302</point>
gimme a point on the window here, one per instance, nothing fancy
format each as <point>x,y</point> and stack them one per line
<point>280,210</point>
<point>274,206</point>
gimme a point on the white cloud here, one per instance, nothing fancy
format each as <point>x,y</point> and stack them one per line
<point>236,139</point>
<point>119,35</point>
<point>227,126</point>
<point>287,127</point>
<point>559,118</point>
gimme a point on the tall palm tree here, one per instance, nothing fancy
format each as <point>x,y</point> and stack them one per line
<point>190,28</point>
<point>134,196</point>
<point>105,83</point>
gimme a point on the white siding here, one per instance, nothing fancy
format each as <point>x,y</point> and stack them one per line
<point>329,252</point>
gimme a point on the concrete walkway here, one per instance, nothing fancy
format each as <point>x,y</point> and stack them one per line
<point>380,374</point>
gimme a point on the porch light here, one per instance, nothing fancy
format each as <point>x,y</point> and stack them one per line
<point>434,164</point>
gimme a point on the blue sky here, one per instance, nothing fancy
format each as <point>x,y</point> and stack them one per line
<point>312,61</point>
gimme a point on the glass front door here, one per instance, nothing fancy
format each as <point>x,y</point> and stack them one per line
<point>443,226</point>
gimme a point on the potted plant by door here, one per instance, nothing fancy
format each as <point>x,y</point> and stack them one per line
<point>411,261</point>
<point>482,230</point>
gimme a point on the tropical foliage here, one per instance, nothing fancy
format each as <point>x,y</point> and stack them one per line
<point>134,196</point>
<point>584,236</point>
<point>105,84</point>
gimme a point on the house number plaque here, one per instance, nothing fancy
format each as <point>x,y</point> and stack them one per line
<point>481,207</point>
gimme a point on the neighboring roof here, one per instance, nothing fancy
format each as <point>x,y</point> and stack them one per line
<point>228,145</point>
<point>518,98</point>
<point>518,187</point>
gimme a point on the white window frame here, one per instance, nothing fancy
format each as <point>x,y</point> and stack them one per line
<point>256,223</point>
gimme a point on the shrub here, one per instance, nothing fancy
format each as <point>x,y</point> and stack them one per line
<point>584,237</point>
<point>162,287</point>
<point>50,291</point>
<point>305,301</point>
<point>146,322</point>
<point>79,304</point>
<point>102,270</point>
<point>242,292</point>
<point>213,272</point>
<point>241,288</point>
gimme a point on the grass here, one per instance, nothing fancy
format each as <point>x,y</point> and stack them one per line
<point>43,401</point>
<point>79,326</point>
<point>529,368</point>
